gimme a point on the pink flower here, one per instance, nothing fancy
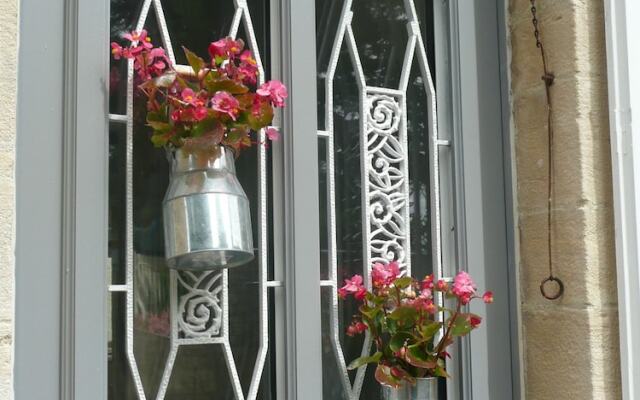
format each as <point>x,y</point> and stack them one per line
<point>356,328</point>
<point>117,51</point>
<point>200,113</point>
<point>463,287</point>
<point>442,285</point>
<point>272,133</point>
<point>247,57</point>
<point>427,282</point>
<point>135,36</point>
<point>488,297</point>
<point>225,103</point>
<point>188,96</point>
<point>248,74</point>
<point>150,64</point>
<point>383,275</point>
<point>225,48</point>
<point>425,293</point>
<point>474,320</point>
<point>353,286</point>
<point>431,308</point>
<point>275,91</point>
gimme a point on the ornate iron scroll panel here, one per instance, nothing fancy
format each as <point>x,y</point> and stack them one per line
<point>199,312</point>
<point>384,171</point>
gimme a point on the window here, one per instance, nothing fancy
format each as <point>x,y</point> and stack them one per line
<point>276,339</point>
<point>198,335</point>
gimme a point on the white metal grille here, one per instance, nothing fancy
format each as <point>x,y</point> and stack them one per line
<point>199,301</point>
<point>385,174</point>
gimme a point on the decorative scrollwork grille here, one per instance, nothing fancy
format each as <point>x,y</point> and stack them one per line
<point>199,312</point>
<point>384,170</point>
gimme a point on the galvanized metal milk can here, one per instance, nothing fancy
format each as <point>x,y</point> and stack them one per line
<point>207,220</point>
<point>424,389</point>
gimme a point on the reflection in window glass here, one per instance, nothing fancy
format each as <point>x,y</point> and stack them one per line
<point>200,371</point>
<point>380,32</point>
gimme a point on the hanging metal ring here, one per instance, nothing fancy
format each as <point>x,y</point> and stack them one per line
<point>544,287</point>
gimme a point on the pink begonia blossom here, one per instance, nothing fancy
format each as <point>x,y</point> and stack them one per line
<point>425,293</point>
<point>463,286</point>
<point>117,51</point>
<point>427,282</point>
<point>272,133</point>
<point>275,91</point>
<point>353,286</point>
<point>442,285</point>
<point>488,297</point>
<point>200,113</point>
<point>151,64</point>
<point>474,320</point>
<point>188,96</point>
<point>356,328</point>
<point>226,47</point>
<point>135,36</point>
<point>225,103</point>
<point>384,274</point>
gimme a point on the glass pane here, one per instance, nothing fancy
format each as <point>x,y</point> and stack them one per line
<point>381,37</point>
<point>200,371</point>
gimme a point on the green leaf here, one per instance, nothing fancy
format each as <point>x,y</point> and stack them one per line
<point>264,117</point>
<point>392,326</point>
<point>403,282</point>
<point>383,375</point>
<point>461,326</point>
<point>358,362</point>
<point>440,371</point>
<point>207,127</point>
<point>429,331</point>
<point>161,139</point>
<point>417,357</point>
<point>196,62</point>
<point>404,314</point>
<point>369,312</point>
<point>237,133</point>
<point>159,126</point>
<point>399,340</point>
<point>402,374</point>
<point>214,85</point>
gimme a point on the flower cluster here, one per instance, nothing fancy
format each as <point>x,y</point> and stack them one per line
<point>214,102</point>
<point>401,315</point>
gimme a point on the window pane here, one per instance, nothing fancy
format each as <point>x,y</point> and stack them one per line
<point>392,115</point>
<point>200,371</point>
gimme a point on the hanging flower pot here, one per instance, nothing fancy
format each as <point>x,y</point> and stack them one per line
<point>207,220</point>
<point>424,389</point>
<point>206,113</point>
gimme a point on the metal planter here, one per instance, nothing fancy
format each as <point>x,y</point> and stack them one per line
<point>207,220</point>
<point>424,389</point>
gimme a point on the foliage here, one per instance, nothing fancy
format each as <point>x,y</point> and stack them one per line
<point>214,101</point>
<point>400,313</point>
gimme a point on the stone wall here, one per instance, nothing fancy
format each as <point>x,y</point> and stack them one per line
<point>570,345</point>
<point>8,76</point>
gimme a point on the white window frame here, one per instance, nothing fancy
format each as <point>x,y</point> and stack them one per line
<point>62,174</point>
<point>623,60</point>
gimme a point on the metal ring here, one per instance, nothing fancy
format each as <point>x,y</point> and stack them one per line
<point>544,285</point>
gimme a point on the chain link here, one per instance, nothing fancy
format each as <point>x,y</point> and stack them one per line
<point>548,79</point>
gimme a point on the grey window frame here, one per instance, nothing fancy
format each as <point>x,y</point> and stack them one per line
<point>61,179</point>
